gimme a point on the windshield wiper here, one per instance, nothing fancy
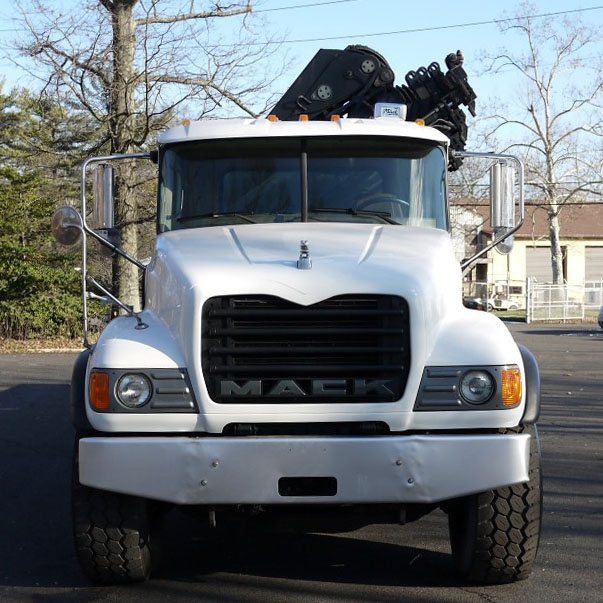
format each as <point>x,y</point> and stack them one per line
<point>213,214</point>
<point>351,211</point>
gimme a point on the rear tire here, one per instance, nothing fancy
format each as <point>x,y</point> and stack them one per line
<point>494,535</point>
<point>111,533</point>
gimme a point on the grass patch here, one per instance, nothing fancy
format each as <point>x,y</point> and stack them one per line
<point>515,315</point>
<point>34,346</point>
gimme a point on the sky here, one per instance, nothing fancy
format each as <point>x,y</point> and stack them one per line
<point>409,37</point>
<point>407,33</point>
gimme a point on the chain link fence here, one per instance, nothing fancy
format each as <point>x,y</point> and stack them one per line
<point>541,301</point>
<point>562,302</point>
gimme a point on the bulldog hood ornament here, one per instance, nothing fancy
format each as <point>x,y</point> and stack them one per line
<point>304,262</point>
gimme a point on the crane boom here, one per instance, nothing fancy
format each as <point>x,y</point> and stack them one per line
<point>350,82</point>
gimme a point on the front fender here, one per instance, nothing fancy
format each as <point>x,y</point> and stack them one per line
<point>532,381</point>
<point>79,418</point>
<point>473,337</point>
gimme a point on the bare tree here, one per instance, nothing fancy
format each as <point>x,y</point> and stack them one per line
<point>553,120</point>
<point>133,63</point>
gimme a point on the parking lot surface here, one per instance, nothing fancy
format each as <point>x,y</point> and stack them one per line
<point>381,563</point>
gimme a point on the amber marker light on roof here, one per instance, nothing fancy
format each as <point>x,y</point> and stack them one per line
<point>335,117</point>
<point>304,117</point>
<point>186,122</point>
<point>272,118</point>
<point>420,122</point>
<point>99,390</point>
<point>511,386</point>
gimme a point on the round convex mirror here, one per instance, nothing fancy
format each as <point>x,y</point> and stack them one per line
<point>66,225</point>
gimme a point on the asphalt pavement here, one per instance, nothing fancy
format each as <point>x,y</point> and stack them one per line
<point>379,563</point>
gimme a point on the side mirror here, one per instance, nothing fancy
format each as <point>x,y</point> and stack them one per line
<point>505,218</point>
<point>502,195</point>
<point>502,204</point>
<point>103,217</point>
<point>67,225</point>
<point>102,194</point>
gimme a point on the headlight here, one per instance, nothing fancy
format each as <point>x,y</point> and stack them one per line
<point>477,387</point>
<point>133,390</point>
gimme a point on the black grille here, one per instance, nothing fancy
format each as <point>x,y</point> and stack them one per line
<point>262,349</point>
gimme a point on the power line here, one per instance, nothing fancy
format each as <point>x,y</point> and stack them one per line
<point>261,10</point>
<point>314,4</point>
<point>441,27</point>
<point>391,33</point>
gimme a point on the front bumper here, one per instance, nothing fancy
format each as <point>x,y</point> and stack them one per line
<point>221,470</point>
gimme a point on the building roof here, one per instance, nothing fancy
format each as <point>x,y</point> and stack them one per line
<point>576,220</point>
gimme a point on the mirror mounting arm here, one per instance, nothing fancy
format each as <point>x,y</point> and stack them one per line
<point>106,159</point>
<point>140,324</point>
<point>505,233</point>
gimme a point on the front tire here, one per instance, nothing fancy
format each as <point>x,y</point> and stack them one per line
<point>111,533</point>
<point>494,535</point>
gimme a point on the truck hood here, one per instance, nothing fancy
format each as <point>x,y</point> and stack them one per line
<point>263,258</point>
<point>190,266</point>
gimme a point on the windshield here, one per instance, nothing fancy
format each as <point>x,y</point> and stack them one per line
<point>327,179</point>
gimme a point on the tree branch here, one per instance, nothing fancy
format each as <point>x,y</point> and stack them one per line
<point>192,16</point>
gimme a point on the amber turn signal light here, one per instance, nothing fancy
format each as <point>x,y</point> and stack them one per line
<point>99,391</point>
<point>511,386</point>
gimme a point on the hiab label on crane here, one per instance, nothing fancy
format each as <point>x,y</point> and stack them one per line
<point>390,110</point>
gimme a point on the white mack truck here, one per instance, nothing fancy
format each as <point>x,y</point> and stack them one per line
<point>303,345</point>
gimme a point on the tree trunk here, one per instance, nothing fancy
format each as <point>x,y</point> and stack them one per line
<point>556,252</point>
<point>122,115</point>
<point>125,274</point>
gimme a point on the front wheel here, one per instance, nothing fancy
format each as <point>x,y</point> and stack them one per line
<point>494,535</point>
<point>111,533</point>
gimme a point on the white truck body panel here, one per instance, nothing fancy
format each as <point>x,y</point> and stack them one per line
<point>408,469</point>
<point>251,128</point>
